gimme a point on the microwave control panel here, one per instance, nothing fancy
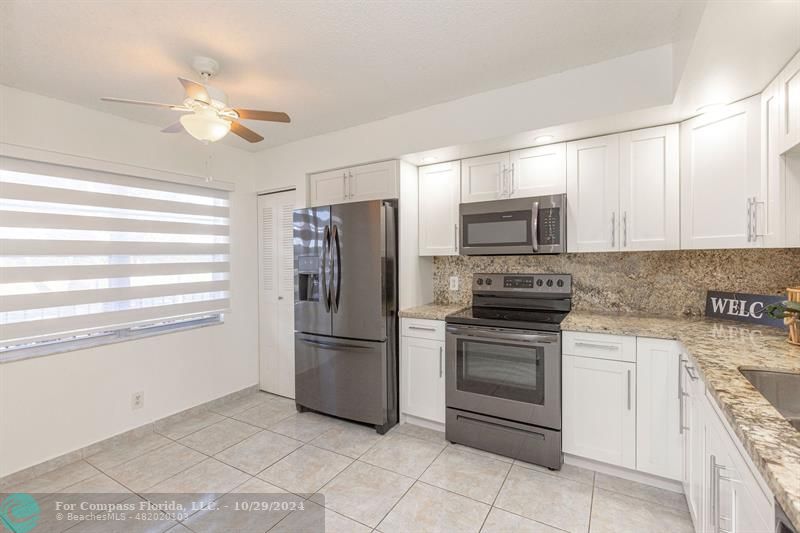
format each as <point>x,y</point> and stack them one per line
<point>549,226</point>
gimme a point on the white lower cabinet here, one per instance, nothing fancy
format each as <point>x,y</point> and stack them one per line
<point>422,382</point>
<point>737,503</point>
<point>599,415</point>
<point>658,424</point>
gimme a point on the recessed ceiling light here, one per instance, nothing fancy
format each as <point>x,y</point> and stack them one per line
<point>428,159</point>
<point>543,139</point>
<point>715,106</point>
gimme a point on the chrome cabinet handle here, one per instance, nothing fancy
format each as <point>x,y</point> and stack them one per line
<point>613,229</point>
<point>535,226</point>
<point>593,345</point>
<point>422,328</point>
<point>749,220</point>
<point>713,501</point>
<point>629,390</point>
<point>350,188</point>
<point>513,187</point>
<point>441,371</point>
<point>344,182</point>
<point>680,395</point>
<point>690,372</point>
<point>624,229</point>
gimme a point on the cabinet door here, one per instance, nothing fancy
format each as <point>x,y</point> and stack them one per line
<point>422,370</point>
<point>485,178</point>
<point>326,188</point>
<point>599,412</point>
<point>769,220</point>
<point>658,403</point>
<point>649,189</point>
<point>377,181</point>
<point>720,177</point>
<point>789,87</point>
<point>539,171</point>
<point>593,194</point>
<point>439,193</point>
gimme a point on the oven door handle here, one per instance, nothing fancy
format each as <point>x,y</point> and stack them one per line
<point>529,338</point>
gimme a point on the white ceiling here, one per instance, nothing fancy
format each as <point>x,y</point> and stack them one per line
<point>329,64</point>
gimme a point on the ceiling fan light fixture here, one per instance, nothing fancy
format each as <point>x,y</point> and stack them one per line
<point>205,125</point>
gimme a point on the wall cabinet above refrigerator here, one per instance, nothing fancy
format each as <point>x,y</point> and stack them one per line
<point>376,181</point>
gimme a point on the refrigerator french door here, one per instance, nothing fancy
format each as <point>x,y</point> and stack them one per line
<point>346,311</point>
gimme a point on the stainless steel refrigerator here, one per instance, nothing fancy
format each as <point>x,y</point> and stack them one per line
<point>345,311</point>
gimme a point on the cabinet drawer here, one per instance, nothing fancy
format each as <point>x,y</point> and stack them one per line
<point>600,346</point>
<point>423,329</point>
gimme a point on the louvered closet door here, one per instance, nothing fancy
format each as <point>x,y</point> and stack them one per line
<point>276,293</point>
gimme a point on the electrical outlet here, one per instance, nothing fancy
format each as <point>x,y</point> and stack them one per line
<point>453,283</point>
<point>137,400</point>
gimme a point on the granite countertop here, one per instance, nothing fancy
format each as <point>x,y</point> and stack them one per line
<point>431,311</point>
<point>718,349</point>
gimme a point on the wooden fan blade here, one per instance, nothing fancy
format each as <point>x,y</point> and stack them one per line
<point>195,90</point>
<point>245,133</point>
<point>140,102</point>
<point>255,114</point>
<point>176,127</point>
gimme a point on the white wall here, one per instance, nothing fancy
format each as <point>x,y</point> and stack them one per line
<point>628,83</point>
<point>55,404</point>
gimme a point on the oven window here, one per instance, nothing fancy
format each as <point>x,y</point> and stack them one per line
<point>500,370</point>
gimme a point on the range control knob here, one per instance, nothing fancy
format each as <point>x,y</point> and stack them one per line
<point>538,283</point>
<point>560,283</point>
<point>480,281</point>
<point>488,281</point>
<point>549,282</point>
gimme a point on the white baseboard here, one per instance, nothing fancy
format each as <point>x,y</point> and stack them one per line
<point>423,422</point>
<point>625,473</point>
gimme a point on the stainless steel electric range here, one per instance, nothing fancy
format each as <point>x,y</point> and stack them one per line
<point>503,377</point>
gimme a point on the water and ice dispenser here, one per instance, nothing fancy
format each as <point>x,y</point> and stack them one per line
<point>308,278</point>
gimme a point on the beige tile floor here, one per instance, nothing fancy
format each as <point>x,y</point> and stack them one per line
<point>410,480</point>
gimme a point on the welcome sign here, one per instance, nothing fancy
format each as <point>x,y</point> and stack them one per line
<point>742,307</point>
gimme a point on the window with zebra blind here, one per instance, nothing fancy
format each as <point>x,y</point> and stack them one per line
<point>88,257</point>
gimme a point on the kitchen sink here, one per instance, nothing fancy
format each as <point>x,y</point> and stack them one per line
<point>781,389</point>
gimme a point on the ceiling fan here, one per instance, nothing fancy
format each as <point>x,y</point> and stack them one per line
<point>208,117</point>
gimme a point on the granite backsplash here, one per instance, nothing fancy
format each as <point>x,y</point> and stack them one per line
<point>665,283</point>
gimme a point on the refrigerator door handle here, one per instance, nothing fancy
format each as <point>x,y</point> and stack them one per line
<point>326,290</point>
<point>336,269</point>
<point>335,345</point>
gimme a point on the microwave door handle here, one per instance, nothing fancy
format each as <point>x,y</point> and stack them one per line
<point>535,226</point>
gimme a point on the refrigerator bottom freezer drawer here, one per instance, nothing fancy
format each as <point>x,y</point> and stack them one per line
<point>531,444</point>
<point>342,377</point>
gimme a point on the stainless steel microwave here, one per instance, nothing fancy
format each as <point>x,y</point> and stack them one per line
<point>517,226</point>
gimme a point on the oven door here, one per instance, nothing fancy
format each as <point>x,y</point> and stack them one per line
<point>505,373</point>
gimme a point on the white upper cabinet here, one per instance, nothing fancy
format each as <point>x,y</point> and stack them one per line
<point>375,181</point>
<point>649,207</point>
<point>593,194</point>
<point>539,171</point>
<point>485,178</point>
<point>769,221</point>
<point>658,403</point>
<point>788,85</point>
<point>327,188</point>
<point>721,177</point>
<point>439,194</point>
